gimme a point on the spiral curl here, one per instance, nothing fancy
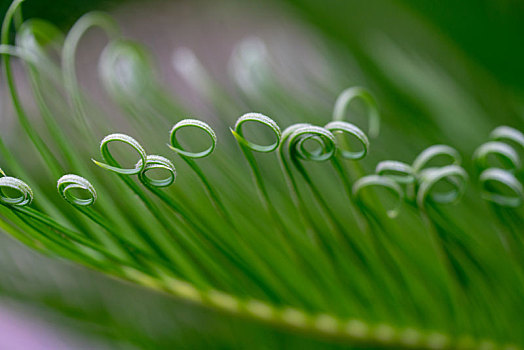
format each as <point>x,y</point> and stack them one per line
<point>507,133</point>
<point>434,151</point>
<point>382,181</point>
<point>348,95</point>
<point>350,129</point>
<point>499,145</point>
<point>33,37</point>
<point>287,133</point>
<point>264,120</point>
<point>112,163</point>
<point>502,150</point>
<point>508,180</point>
<point>399,172</point>
<point>324,138</point>
<point>69,182</point>
<point>25,192</point>
<point>125,69</point>
<point>453,174</point>
<point>69,54</point>
<point>154,162</point>
<point>175,145</point>
<point>419,181</point>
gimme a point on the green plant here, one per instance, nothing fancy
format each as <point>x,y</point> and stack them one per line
<point>285,248</point>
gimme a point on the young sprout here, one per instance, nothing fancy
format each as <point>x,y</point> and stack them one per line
<point>68,183</point>
<point>399,172</point>
<point>506,154</point>
<point>293,147</point>
<point>340,110</point>
<point>44,151</point>
<point>112,164</point>
<point>507,133</point>
<point>64,241</point>
<point>154,162</point>
<point>433,152</point>
<point>247,147</point>
<point>72,88</point>
<point>429,178</point>
<point>25,193</point>
<point>500,186</point>
<point>382,181</point>
<point>158,237</point>
<point>176,146</point>
<point>188,157</point>
<point>347,96</point>
<point>513,199</point>
<point>338,127</point>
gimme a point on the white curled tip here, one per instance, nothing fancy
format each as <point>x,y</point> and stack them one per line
<point>25,196</point>
<point>380,181</point>
<point>67,183</point>
<point>347,96</point>
<point>435,151</point>
<point>504,132</point>
<point>455,175</point>
<point>513,191</point>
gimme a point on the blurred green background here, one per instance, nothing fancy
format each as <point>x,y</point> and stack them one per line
<point>489,32</point>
